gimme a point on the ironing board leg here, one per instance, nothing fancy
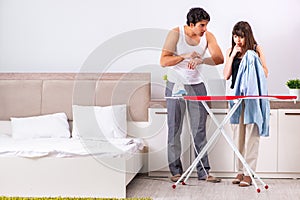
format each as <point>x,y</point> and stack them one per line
<point>236,151</point>
<point>229,141</point>
<point>190,169</point>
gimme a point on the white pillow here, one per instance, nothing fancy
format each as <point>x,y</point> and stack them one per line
<point>44,126</point>
<point>95,122</point>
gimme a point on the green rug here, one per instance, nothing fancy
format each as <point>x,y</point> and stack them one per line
<point>68,198</point>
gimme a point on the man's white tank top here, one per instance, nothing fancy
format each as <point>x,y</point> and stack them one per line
<point>180,73</point>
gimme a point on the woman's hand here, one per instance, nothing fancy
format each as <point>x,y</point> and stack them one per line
<point>236,49</point>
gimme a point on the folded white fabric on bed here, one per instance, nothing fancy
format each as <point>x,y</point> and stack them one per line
<point>68,147</point>
<point>43,126</point>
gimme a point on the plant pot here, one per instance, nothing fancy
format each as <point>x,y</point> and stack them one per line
<point>295,92</point>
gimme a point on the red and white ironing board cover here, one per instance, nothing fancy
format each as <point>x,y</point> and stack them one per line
<point>228,98</point>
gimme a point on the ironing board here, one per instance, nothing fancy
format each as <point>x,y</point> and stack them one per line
<point>220,129</point>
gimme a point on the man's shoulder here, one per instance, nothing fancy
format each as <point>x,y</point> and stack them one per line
<point>176,29</point>
<point>209,34</point>
<point>210,37</point>
<point>174,32</point>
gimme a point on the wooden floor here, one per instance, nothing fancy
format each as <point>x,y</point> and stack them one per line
<point>161,188</point>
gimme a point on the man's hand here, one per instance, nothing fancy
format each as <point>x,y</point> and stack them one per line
<point>191,55</point>
<point>195,62</point>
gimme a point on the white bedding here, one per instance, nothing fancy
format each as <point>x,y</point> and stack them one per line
<point>68,147</point>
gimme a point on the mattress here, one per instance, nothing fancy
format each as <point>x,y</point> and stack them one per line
<point>68,147</point>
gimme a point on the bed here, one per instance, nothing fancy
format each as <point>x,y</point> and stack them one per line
<point>94,167</point>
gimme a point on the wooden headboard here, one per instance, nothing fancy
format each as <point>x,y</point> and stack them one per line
<point>30,94</point>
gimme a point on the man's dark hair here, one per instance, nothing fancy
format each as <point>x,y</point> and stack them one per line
<point>196,15</point>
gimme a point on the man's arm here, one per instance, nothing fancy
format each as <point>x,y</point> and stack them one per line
<point>214,50</point>
<point>168,57</point>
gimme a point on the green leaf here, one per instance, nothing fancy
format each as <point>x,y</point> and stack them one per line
<point>165,77</point>
<point>293,83</point>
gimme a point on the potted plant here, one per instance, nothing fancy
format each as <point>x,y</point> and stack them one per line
<point>294,87</point>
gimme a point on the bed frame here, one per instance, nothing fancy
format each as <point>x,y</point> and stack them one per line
<point>29,94</point>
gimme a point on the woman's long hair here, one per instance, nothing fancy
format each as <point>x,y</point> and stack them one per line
<point>243,29</point>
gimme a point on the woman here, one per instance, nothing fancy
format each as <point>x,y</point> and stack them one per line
<point>246,136</point>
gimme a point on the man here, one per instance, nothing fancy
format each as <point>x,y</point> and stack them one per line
<point>183,52</point>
